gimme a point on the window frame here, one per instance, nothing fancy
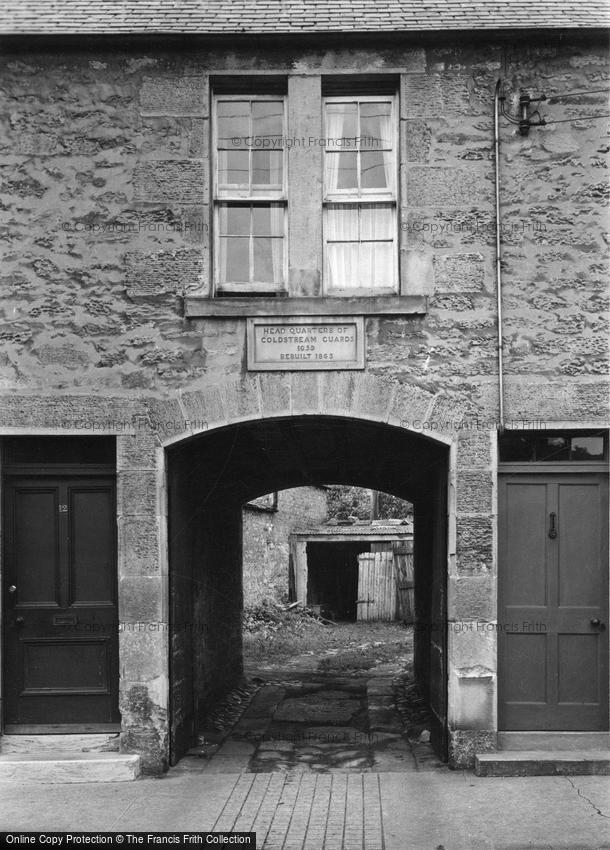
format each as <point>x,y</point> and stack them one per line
<point>363,198</point>
<point>242,197</point>
<point>532,437</point>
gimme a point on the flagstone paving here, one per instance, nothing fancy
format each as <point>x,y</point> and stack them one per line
<point>316,724</point>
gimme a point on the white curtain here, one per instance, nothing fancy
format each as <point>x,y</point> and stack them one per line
<point>360,246</point>
<point>360,239</point>
<point>335,123</point>
<point>277,245</point>
<point>385,133</point>
<point>222,229</point>
<point>375,222</point>
<point>342,246</point>
<point>376,246</point>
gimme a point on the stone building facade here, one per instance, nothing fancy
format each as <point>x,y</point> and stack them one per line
<point>131,388</point>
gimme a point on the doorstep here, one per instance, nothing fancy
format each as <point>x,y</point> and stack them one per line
<point>59,743</point>
<point>553,741</point>
<point>69,767</point>
<point>587,762</point>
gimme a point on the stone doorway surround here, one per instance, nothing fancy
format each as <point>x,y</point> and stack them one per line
<point>145,427</point>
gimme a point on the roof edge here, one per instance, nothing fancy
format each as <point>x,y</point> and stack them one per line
<point>329,36</point>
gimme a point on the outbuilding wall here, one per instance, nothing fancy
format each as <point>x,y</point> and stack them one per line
<point>266,541</point>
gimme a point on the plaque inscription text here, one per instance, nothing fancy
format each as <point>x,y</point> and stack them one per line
<point>300,343</point>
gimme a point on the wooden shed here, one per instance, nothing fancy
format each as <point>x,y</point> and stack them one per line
<point>360,571</point>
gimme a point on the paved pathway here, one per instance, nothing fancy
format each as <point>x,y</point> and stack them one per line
<point>431,810</point>
<point>325,795</point>
<point>314,724</point>
<point>309,812</point>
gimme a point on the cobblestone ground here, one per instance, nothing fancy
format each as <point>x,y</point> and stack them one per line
<point>307,812</point>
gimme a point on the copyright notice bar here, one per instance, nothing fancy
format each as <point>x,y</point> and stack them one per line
<point>175,839</point>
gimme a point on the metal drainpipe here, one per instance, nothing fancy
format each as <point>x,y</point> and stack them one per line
<point>498,252</point>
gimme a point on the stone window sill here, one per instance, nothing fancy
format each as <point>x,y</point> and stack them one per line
<point>383,305</point>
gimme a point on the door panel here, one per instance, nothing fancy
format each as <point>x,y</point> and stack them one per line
<point>553,602</point>
<point>61,632</point>
<point>577,674</point>
<point>65,666</point>
<point>36,541</point>
<point>91,546</point>
<point>580,577</point>
<point>525,660</point>
<point>526,561</point>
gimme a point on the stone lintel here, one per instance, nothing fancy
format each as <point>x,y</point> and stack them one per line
<point>383,305</point>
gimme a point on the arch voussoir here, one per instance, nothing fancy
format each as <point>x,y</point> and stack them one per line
<point>411,406</point>
<point>338,392</point>
<point>274,394</point>
<point>374,398</point>
<point>205,408</point>
<point>304,393</point>
<point>242,398</point>
<point>166,419</point>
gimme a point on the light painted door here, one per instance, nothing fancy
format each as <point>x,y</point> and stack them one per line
<point>553,602</point>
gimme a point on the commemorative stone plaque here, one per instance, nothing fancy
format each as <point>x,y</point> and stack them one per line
<point>299,342</point>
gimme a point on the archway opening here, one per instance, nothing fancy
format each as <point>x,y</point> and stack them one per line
<point>212,475</point>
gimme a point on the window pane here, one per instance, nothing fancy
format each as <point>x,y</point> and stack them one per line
<point>268,260</point>
<point>233,169</point>
<point>234,221</point>
<point>375,125</point>
<point>553,448</point>
<point>233,119</point>
<point>267,168</point>
<point>376,222</point>
<point>268,220</point>
<point>375,170</point>
<point>261,221</point>
<point>587,448</point>
<point>268,124</point>
<point>342,224</point>
<point>342,265</point>
<point>515,447</point>
<point>341,171</point>
<point>234,260</point>
<point>376,264</point>
<point>341,125</point>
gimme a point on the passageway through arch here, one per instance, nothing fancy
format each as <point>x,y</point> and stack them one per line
<point>211,475</point>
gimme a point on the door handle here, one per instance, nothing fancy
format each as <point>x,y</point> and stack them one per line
<point>553,526</point>
<point>598,623</point>
<point>19,621</point>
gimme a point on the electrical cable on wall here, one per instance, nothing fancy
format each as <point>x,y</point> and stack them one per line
<point>526,118</point>
<point>551,97</point>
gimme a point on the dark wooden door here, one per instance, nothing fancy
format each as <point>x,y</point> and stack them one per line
<point>553,602</point>
<point>61,631</point>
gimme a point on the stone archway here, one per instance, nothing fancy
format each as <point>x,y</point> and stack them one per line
<point>195,417</point>
<point>211,476</point>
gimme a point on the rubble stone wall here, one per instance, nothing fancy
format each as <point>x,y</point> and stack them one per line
<point>107,222</point>
<point>106,230</point>
<point>266,541</point>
